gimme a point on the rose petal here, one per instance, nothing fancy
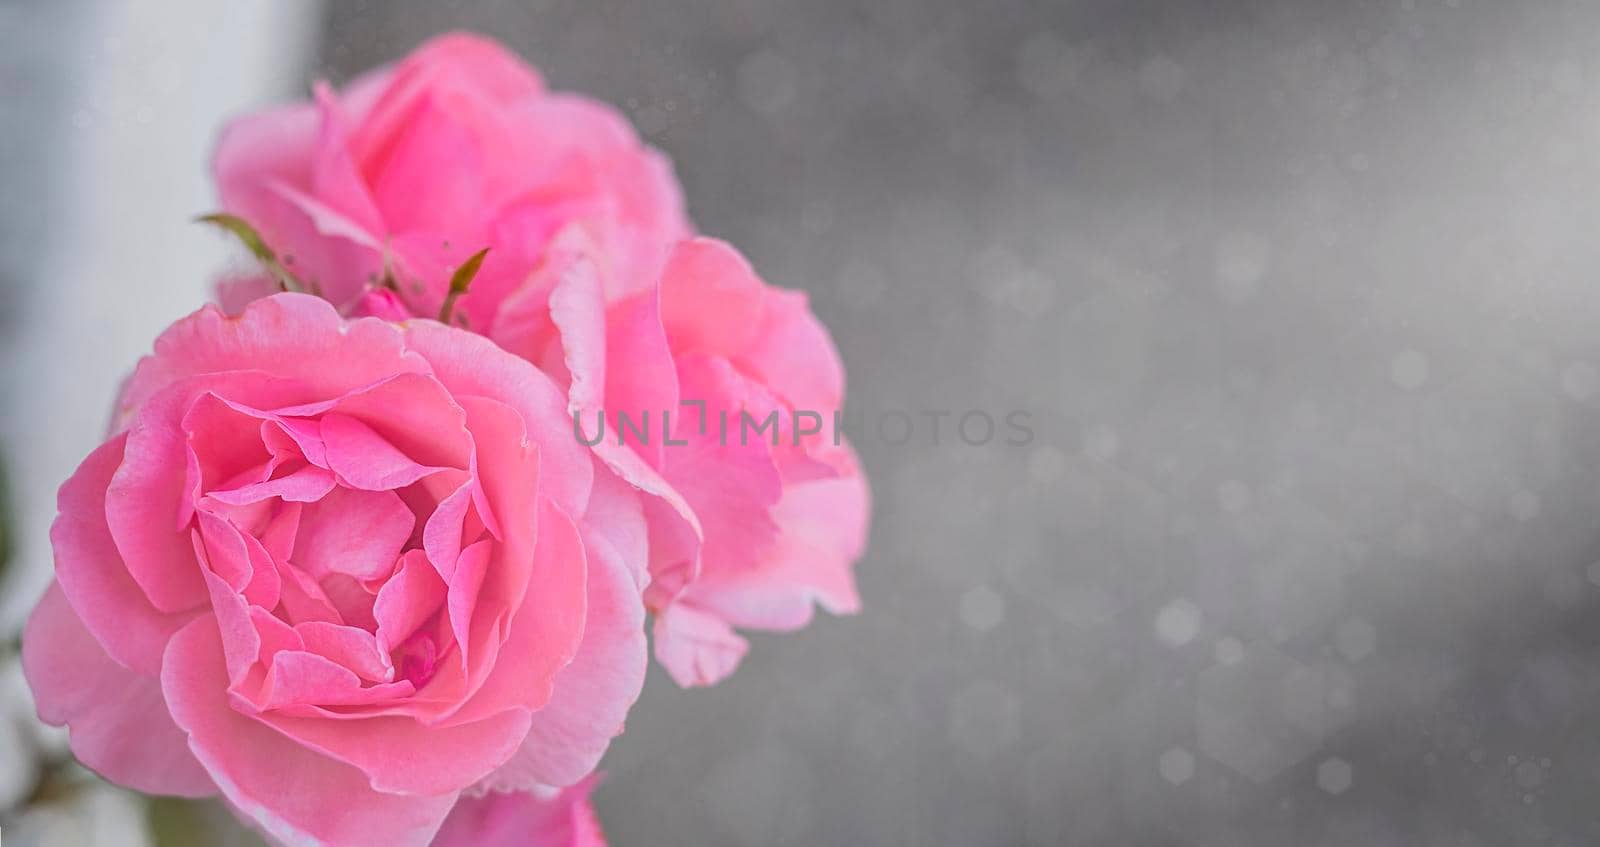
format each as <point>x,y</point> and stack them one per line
<point>544,634</point>
<point>229,554</point>
<point>348,646</point>
<point>414,594</point>
<point>592,695</point>
<point>300,678</point>
<point>729,478</point>
<point>306,485</point>
<point>823,530</point>
<point>294,337</point>
<point>334,176</point>
<point>711,299</point>
<point>794,356</point>
<point>119,725</point>
<point>442,537</point>
<point>400,757</point>
<point>352,532</point>
<point>92,575</point>
<point>544,818</point>
<point>470,568</point>
<point>696,648</point>
<point>297,795</point>
<point>468,364</point>
<point>364,459</point>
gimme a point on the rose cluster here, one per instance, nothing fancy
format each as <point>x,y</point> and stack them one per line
<point>342,561</point>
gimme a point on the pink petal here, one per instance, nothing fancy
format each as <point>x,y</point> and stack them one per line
<point>520,323</point>
<point>675,544</point>
<point>545,631</point>
<point>471,566</point>
<point>616,514</point>
<point>276,636</point>
<point>438,129</point>
<point>306,485</point>
<point>150,498</point>
<point>299,683</point>
<point>730,485</point>
<point>267,168</point>
<point>299,677</point>
<point>470,364</point>
<point>229,554</point>
<point>290,436</point>
<point>353,598</point>
<point>794,356</point>
<point>632,335</point>
<point>455,62</point>
<point>382,303</point>
<point>241,641</point>
<point>271,144</point>
<point>590,166</point>
<point>645,380</point>
<point>696,648</point>
<point>347,646</point>
<point>711,299</point>
<point>577,308</point>
<point>219,547</point>
<point>297,795</point>
<point>224,444</point>
<point>472,61</point>
<point>544,818</point>
<point>352,532</point>
<point>407,600</point>
<point>334,177</point>
<point>401,756</point>
<point>296,337</point>
<point>364,459</point>
<point>147,506</point>
<point>303,598</point>
<point>119,725</point>
<point>592,695</point>
<point>442,535</point>
<point>508,472</point>
<point>330,254</point>
<point>91,572</point>
<point>278,537</point>
<point>629,333</point>
<point>413,412</point>
<point>823,531</point>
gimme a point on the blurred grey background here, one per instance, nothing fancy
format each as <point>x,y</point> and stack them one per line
<point>1303,300</point>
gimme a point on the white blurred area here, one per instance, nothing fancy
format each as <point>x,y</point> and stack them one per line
<point>111,109</point>
<point>138,91</point>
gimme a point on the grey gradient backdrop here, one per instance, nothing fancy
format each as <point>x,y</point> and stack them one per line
<point>1304,298</point>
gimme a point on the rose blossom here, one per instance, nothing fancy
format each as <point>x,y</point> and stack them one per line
<point>783,512</point>
<point>339,572</point>
<point>391,183</point>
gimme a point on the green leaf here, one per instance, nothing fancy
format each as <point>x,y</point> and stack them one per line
<point>460,281</point>
<point>252,240</point>
<point>243,231</point>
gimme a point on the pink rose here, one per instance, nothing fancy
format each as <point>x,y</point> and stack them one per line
<point>551,817</point>
<point>339,572</point>
<point>409,170</point>
<point>751,523</point>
